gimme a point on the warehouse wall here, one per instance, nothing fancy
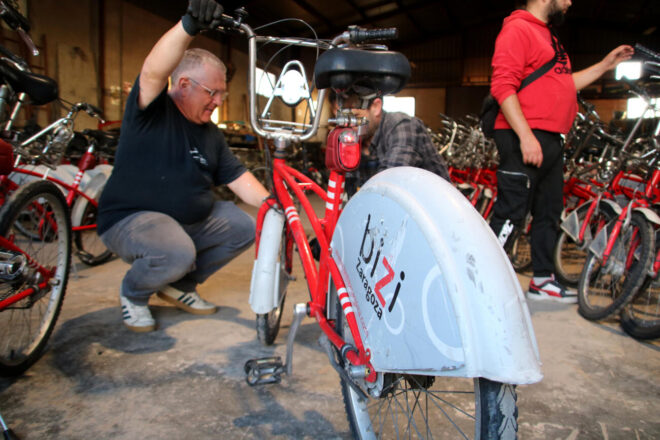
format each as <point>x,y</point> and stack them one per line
<point>95,49</point>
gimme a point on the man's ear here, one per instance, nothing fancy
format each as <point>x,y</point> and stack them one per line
<point>377,106</point>
<point>183,84</point>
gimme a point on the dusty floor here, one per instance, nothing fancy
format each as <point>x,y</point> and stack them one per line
<point>185,381</point>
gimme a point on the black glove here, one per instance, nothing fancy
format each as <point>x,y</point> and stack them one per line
<point>201,15</point>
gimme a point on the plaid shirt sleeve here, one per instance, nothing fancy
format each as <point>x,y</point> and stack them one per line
<point>399,147</point>
<point>404,141</point>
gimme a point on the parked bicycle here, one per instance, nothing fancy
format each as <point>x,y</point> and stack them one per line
<point>421,315</point>
<point>40,154</point>
<point>623,253</point>
<point>35,254</point>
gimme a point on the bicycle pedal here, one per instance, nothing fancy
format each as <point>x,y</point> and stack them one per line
<point>263,371</point>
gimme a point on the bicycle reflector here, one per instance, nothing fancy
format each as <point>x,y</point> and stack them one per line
<point>342,150</point>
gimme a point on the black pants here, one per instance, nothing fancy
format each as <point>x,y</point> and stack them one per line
<point>522,188</point>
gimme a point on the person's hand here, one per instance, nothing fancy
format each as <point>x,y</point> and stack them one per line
<point>201,15</point>
<point>531,151</point>
<point>621,53</point>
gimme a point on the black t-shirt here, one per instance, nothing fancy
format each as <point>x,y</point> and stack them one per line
<point>165,163</point>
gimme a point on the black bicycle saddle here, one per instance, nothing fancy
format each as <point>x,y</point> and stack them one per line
<point>362,72</point>
<point>40,88</point>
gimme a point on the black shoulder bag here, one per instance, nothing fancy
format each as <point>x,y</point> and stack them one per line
<point>490,107</point>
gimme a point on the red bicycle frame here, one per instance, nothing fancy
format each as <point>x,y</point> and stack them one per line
<point>286,178</point>
<point>86,162</point>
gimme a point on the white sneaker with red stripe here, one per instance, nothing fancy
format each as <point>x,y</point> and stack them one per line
<point>190,302</point>
<point>548,289</point>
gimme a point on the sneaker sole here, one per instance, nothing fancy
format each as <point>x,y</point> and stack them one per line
<point>546,297</point>
<point>185,307</point>
<point>141,329</point>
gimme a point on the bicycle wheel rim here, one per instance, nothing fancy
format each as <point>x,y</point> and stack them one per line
<point>570,257</point>
<point>26,325</point>
<point>91,250</point>
<point>417,406</point>
<point>641,317</point>
<point>604,289</point>
<point>521,253</point>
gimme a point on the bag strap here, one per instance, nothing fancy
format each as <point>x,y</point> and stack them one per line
<point>544,68</point>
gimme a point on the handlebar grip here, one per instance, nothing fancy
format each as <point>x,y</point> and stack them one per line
<point>646,52</point>
<point>361,35</point>
<point>94,109</point>
<point>13,18</point>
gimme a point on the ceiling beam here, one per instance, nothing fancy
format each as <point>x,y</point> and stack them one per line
<point>312,10</point>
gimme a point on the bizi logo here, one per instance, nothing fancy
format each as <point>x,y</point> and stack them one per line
<point>369,260</point>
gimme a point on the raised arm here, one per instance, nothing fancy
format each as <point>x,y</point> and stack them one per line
<point>168,51</point>
<point>585,77</point>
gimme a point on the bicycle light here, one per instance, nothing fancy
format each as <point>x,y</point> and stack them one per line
<point>343,150</point>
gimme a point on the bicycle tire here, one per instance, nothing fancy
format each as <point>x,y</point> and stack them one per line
<point>89,247</point>
<point>603,291</point>
<point>268,324</point>
<point>480,408</point>
<point>27,325</point>
<point>521,252</point>
<point>570,256</point>
<point>640,318</point>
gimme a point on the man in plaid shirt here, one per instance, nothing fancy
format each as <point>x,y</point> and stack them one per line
<point>392,140</point>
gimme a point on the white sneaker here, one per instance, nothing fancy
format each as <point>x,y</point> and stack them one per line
<point>547,288</point>
<point>190,302</point>
<point>136,318</point>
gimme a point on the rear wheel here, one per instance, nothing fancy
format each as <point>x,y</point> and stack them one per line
<point>417,406</point>
<point>605,288</point>
<point>26,325</point>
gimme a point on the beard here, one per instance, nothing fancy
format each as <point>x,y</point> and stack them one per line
<point>556,16</point>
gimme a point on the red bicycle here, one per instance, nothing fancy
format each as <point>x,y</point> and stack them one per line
<point>35,255</point>
<point>421,314</point>
<point>37,158</point>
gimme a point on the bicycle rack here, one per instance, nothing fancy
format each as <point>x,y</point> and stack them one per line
<point>270,369</point>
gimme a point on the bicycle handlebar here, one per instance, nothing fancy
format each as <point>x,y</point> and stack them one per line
<point>19,23</point>
<point>645,52</point>
<point>12,17</point>
<point>354,35</point>
<point>362,35</point>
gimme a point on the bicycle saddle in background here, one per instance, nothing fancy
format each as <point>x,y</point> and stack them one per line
<point>40,88</point>
<point>362,72</point>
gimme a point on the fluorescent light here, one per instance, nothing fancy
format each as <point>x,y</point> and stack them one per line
<point>628,69</point>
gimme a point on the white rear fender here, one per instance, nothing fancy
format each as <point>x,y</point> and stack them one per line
<point>433,289</point>
<point>265,284</point>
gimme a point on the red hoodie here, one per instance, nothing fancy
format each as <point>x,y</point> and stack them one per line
<point>523,45</point>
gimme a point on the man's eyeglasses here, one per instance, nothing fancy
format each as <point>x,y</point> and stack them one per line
<point>211,92</point>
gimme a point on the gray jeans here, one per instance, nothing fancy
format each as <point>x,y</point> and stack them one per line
<point>161,251</point>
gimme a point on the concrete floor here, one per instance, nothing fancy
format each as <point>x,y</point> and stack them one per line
<point>185,381</point>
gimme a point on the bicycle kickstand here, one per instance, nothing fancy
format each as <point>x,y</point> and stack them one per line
<point>270,369</point>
